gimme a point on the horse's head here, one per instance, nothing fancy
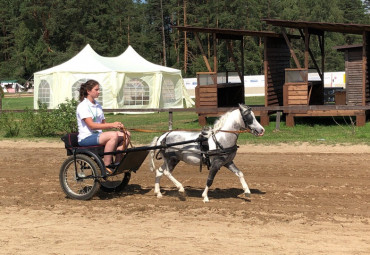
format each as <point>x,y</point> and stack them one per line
<point>250,120</point>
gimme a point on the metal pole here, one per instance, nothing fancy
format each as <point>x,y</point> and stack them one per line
<point>277,127</point>
<point>170,120</point>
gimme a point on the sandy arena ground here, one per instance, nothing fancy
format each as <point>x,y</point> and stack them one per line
<point>305,200</point>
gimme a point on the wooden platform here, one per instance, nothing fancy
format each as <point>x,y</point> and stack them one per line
<point>293,111</point>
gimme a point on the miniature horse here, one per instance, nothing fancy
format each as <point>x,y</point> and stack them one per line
<point>220,150</point>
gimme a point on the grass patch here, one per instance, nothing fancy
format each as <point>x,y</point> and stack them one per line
<point>314,130</point>
<point>17,103</point>
<point>255,100</point>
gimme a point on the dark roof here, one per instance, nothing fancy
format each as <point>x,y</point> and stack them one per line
<point>227,31</point>
<point>323,26</point>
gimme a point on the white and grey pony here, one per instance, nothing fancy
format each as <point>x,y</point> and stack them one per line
<point>220,150</point>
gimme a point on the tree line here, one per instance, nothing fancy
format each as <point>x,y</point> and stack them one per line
<point>38,34</point>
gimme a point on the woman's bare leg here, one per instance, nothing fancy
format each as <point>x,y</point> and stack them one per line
<point>110,140</point>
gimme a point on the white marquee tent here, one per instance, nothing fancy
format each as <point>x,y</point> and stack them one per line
<point>127,81</point>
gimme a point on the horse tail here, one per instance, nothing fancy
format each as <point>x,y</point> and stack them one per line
<point>152,153</point>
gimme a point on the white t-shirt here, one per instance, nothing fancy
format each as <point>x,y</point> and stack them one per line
<point>86,109</point>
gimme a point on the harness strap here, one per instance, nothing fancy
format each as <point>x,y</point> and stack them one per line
<point>223,151</point>
<point>218,145</point>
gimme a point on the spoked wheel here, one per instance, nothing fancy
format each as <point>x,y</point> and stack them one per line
<point>81,185</point>
<point>115,183</point>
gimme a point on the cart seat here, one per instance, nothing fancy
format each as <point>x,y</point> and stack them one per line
<point>71,143</point>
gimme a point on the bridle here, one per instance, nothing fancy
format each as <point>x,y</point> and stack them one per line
<point>246,116</point>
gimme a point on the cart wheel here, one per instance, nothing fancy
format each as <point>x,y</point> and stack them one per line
<point>115,183</point>
<point>83,185</point>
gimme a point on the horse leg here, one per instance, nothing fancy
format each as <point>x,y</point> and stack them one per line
<point>166,169</point>
<point>171,164</point>
<point>158,176</point>
<point>176,182</point>
<point>232,167</point>
<point>211,176</point>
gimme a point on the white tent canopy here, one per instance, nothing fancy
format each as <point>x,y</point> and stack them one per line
<point>127,81</point>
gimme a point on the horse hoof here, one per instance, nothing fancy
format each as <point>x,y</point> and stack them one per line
<point>182,196</point>
<point>205,200</point>
<point>159,195</point>
<point>247,194</point>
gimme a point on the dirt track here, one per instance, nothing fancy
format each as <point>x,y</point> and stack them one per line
<point>304,201</point>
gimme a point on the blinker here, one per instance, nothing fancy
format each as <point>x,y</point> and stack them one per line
<point>245,111</point>
<point>247,118</point>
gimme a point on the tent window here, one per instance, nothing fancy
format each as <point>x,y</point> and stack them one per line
<point>76,90</point>
<point>44,93</point>
<point>168,92</point>
<point>136,92</point>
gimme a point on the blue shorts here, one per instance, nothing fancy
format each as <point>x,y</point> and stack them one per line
<point>91,140</point>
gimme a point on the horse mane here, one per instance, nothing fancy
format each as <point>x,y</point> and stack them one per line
<point>221,121</point>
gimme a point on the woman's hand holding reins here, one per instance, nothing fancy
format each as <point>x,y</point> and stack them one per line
<point>117,125</point>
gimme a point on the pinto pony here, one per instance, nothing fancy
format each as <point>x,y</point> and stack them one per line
<point>216,148</point>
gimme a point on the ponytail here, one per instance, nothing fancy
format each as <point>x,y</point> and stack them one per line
<point>87,86</point>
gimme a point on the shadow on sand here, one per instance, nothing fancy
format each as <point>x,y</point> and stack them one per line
<point>212,193</point>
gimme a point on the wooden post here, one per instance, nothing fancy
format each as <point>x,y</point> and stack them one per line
<point>202,51</point>
<point>361,120</point>
<point>202,120</point>
<point>265,69</point>
<point>163,37</point>
<point>364,64</point>
<point>322,56</point>
<point>185,42</point>
<point>264,119</point>
<point>319,71</point>
<point>290,48</point>
<point>214,52</point>
<point>242,67</point>
<point>289,120</point>
<point>306,47</point>
<point>231,50</point>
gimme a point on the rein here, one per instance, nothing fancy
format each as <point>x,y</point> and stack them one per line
<point>247,130</point>
<point>191,130</point>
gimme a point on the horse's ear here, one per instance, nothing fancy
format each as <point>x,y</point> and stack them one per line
<point>243,107</point>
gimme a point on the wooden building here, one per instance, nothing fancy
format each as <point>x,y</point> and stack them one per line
<point>287,89</point>
<point>298,90</point>
<point>217,91</point>
<point>354,75</point>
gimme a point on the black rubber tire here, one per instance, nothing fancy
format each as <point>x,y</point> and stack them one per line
<point>115,183</point>
<point>82,189</point>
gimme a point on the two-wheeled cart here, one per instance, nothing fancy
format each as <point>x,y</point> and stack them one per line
<point>83,173</point>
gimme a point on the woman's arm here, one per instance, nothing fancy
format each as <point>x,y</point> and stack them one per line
<point>94,126</point>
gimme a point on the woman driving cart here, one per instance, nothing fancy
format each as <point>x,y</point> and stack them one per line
<point>91,122</point>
